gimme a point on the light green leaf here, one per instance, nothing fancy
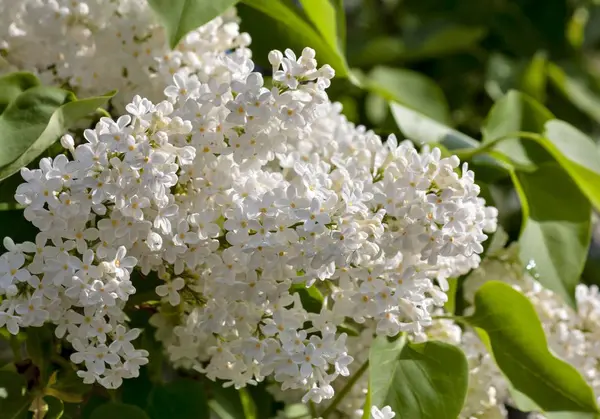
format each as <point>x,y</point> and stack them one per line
<point>512,113</point>
<point>35,119</point>
<point>181,399</point>
<point>410,89</point>
<point>182,16</point>
<point>423,380</point>
<point>114,410</point>
<point>554,236</point>
<point>277,24</point>
<point>340,22</point>
<point>520,349</point>
<point>323,16</point>
<point>14,396</point>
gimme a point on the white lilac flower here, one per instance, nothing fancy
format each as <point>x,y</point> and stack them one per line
<point>123,38</point>
<point>233,194</point>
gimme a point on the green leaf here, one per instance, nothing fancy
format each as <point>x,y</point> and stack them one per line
<point>250,411</point>
<point>181,399</point>
<point>534,77</point>
<point>322,14</point>
<point>423,129</point>
<point>437,39</point>
<point>512,113</point>
<point>554,236</point>
<point>312,299</point>
<point>13,84</point>
<point>55,408</point>
<point>577,87</point>
<point>418,380</point>
<point>35,119</point>
<point>25,118</point>
<point>427,41</point>
<point>520,349</point>
<point>410,89</point>
<point>67,386</point>
<point>14,396</point>
<point>114,410</point>
<point>577,154</point>
<point>182,16</point>
<point>224,401</point>
<point>340,22</point>
<point>276,24</point>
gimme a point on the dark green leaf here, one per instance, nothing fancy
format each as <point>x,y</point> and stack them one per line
<point>137,390</point>
<point>39,348</point>
<point>14,396</point>
<point>520,349</point>
<point>66,385</point>
<point>181,399</point>
<point>512,113</point>
<point>182,16</point>
<point>114,410</point>
<point>554,236</point>
<point>224,401</point>
<point>418,381</point>
<point>55,408</point>
<point>34,120</point>
<point>275,24</point>
<point>410,89</point>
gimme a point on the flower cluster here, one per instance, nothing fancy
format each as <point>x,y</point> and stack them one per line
<point>242,198</point>
<point>94,46</point>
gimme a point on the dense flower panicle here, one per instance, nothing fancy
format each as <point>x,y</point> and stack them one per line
<point>94,46</point>
<point>237,195</point>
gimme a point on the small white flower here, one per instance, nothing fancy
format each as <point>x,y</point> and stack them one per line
<point>170,290</point>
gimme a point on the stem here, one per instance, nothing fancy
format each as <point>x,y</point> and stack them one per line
<point>341,394</point>
<point>313,410</point>
<point>465,154</point>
